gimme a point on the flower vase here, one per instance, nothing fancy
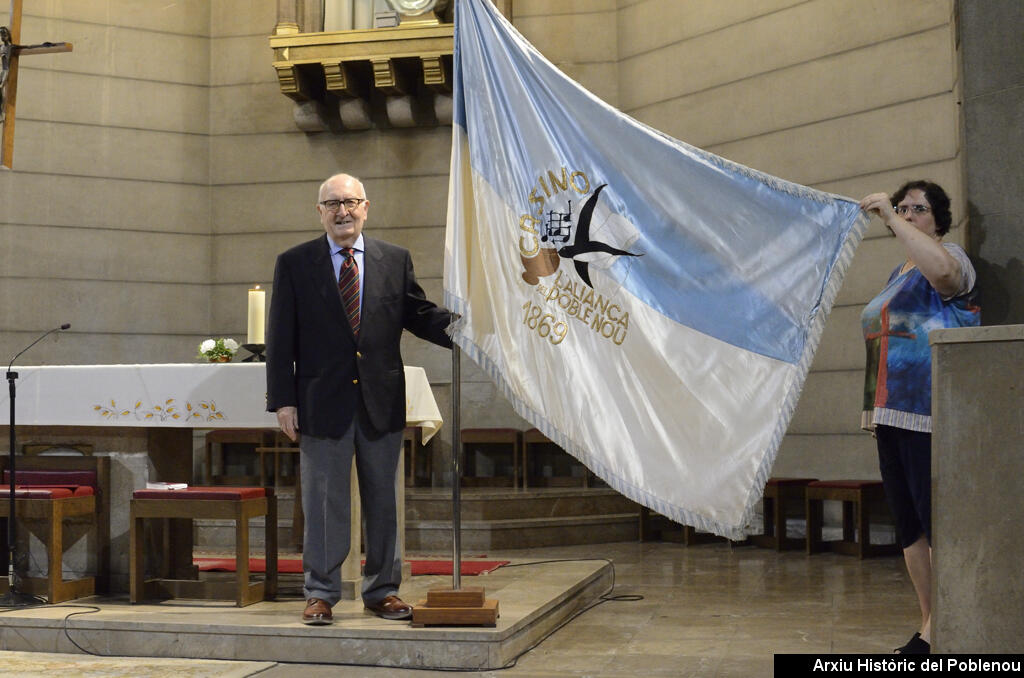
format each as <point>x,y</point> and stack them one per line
<point>221,359</point>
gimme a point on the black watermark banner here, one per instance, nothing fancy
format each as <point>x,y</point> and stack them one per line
<point>889,664</point>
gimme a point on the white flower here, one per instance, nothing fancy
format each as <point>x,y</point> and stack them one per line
<point>207,346</point>
<point>231,343</point>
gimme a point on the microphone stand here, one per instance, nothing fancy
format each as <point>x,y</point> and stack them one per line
<point>13,597</point>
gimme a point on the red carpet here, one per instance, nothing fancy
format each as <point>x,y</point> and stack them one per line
<point>294,566</point>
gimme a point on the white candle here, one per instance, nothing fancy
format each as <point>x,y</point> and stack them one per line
<point>257,308</point>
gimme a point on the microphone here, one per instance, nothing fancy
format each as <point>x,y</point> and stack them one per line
<point>63,327</point>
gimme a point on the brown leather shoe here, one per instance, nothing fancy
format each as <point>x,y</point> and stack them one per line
<point>391,607</point>
<point>317,613</point>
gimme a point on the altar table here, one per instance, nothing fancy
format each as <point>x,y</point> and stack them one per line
<point>187,396</point>
<point>168,401</point>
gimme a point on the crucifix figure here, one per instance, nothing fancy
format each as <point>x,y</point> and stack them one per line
<point>10,51</point>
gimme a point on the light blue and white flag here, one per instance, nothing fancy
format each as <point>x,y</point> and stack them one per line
<point>649,306</point>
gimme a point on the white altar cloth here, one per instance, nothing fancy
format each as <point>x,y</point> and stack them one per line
<point>200,395</point>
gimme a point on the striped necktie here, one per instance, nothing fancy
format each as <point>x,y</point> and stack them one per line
<point>348,285</point>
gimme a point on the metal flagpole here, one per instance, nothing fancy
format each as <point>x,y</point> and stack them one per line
<point>457,607</point>
<point>456,471</point>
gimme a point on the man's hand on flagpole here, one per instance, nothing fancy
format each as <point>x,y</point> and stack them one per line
<point>288,420</point>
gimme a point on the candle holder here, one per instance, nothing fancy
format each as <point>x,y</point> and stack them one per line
<point>257,353</point>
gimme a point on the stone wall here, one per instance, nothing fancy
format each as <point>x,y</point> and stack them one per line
<point>158,171</point>
<point>993,67</point>
<point>105,220</point>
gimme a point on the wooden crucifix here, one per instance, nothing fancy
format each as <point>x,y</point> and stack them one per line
<point>10,51</point>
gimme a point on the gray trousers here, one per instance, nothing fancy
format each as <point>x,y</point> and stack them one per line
<point>326,467</point>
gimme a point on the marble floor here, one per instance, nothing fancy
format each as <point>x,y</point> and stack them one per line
<point>707,610</point>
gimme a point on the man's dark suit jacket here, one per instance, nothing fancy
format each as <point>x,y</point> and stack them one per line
<point>313,359</point>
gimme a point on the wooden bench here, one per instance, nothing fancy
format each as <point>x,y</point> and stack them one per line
<point>859,498</point>
<point>533,437</point>
<point>656,527</point>
<point>235,503</point>
<point>55,489</point>
<point>781,497</point>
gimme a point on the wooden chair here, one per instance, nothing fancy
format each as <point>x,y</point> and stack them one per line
<point>781,497</point>
<point>859,497</point>
<point>218,438</point>
<point>280,446</point>
<point>54,489</point>
<point>236,503</point>
<point>512,437</point>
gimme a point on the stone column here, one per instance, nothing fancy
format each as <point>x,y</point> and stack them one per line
<point>287,17</point>
<point>977,464</point>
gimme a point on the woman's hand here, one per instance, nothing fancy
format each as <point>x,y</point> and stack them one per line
<point>880,204</point>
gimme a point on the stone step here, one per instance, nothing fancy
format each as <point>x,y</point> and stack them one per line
<point>217,534</point>
<point>492,518</point>
<point>498,504</point>
<point>436,535</point>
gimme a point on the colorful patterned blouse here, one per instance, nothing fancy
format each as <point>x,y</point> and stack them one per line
<point>896,323</point>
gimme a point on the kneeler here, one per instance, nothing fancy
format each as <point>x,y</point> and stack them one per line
<point>53,496</point>
<point>233,503</point>
<point>858,497</point>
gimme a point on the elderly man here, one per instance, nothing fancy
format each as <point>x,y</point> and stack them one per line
<point>334,374</point>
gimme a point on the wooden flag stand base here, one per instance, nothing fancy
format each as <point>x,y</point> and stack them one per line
<point>449,607</point>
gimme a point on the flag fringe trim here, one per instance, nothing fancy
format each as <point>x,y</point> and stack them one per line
<point>677,513</point>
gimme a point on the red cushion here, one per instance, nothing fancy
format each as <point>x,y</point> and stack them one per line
<point>847,484</point>
<point>36,493</point>
<point>231,493</point>
<point>790,481</point>
<point>76,490</point>
<point>52,478</point>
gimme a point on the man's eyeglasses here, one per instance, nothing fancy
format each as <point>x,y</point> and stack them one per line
<point>349,203</point>
<point>904,210</point>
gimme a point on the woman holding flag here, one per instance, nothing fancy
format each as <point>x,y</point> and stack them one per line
<point>933,288</point>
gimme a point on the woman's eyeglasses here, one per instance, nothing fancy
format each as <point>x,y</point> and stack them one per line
<point>904,210</point>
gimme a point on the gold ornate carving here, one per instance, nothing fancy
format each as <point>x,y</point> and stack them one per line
<point>384,74</point>
<point>288,77</point>
<point>316,66</point>
<point>336,77</point>
<point>300,82</point>
<point>434,72</point>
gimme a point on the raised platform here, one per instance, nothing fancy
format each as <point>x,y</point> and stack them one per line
<point>534,600</point>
